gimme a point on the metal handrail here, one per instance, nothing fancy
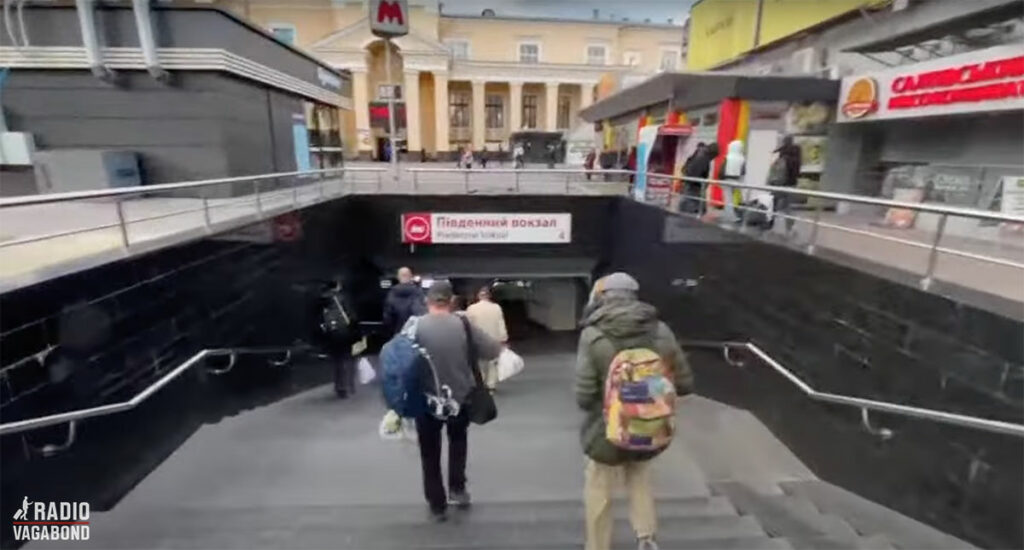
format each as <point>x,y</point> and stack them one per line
<point>139,398</point>
<point>502,170</point>
<point>146,189</point>
<point>943,417</point>
<point>975,213</point>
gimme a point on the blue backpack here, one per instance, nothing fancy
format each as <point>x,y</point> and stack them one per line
<point>410,385</point>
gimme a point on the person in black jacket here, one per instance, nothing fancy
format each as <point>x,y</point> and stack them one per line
<point>697,166</point>
<point>785,172</point>
<point>404,300</point>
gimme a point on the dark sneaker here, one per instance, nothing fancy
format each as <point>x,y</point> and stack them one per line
<point>459,500</point>
<point>646,543</point>
<point>438,516</point>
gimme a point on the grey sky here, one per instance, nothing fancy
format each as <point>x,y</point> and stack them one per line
<point>636,10</point>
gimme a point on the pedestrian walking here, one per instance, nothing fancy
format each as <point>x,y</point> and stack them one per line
<point>451,342</point>
<point>624,350</point>
<point>519,154</point>
<point>501,156</point>
<point>483,157</point>
<point>467,158</point>
<point>784,172</point>
<point>489,317</point>
<point>404,300</point>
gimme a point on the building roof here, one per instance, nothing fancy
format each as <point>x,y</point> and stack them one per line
<point>581,21</point>
<point>695,89</point>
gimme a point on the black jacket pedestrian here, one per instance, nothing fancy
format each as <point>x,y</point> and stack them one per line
<point>404,300</point>
<point>790,152</point>
<point>700,165</point>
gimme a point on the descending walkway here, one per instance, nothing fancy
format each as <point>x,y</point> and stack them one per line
<point>311,472</point>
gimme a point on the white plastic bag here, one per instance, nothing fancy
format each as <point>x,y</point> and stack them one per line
<point>366,372</point>
<point>509,364</point>
<point>390,428</point>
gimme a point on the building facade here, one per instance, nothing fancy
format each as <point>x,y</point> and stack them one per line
<point>469,81</point>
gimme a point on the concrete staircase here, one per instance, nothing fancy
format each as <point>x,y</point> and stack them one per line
<point>310,472</point>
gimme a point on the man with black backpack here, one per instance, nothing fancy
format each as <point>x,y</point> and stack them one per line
<point>629,371</point>
<point>404,300</point>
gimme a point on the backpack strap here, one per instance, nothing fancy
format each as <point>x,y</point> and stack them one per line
<point>471,353</point>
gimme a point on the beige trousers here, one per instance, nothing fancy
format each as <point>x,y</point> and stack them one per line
<point>490,373</point>
<point>600,480</point>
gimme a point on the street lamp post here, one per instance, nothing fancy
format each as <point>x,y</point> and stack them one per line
<point>388,19</point>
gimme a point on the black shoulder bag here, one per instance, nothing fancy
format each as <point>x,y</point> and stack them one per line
<point>480,402</point>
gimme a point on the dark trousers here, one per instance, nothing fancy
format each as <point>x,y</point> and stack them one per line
<point>428,432</point>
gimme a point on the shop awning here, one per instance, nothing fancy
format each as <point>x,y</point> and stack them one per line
<point>696,89</point>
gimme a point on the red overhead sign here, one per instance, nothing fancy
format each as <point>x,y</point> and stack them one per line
<point>389,18</point>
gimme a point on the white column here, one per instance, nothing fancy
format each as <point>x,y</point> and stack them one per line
<point>361,105</point>
<point>441,111</point>
<point>550,106</point>
<point>586,98</point>
<point>478,115</point>
<point>515,109</point>
<point>411,95</point>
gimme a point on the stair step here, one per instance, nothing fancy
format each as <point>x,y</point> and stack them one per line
<point>290,527</point>
<point>734,543</point>
<point>870,518</point>
<point>876,542</point>
<point>792,517</point>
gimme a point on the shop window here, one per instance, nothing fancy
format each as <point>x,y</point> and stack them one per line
<point>529,52</point>
<point>284,32</point>
<point>529,111</point>
<point>458,109</point>
<point>384,92</point>
<point>597,55</point>
<point>494,110</point>
<point>564,105</point>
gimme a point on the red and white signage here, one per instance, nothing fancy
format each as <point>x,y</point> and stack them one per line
<point>974,82</point>
<point>389,18</point>
<point>484,228</point>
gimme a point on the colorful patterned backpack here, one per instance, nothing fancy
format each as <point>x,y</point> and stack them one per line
<point>639,401</point>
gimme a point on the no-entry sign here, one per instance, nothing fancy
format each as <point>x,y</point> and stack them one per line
<point>484,228</point>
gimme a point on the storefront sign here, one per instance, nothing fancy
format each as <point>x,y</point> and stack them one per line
<point>980,81</point>
<point>1013,196</point>
<point>483,228</point>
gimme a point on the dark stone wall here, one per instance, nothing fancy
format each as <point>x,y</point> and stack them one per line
<point>848,332</point>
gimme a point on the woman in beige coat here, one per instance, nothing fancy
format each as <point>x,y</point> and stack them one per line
<point>489,318</point>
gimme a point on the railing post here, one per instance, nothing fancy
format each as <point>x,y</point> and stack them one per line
<point>703,199</point>
<point>122,225</point>
<point>380,184</point>
<point>467,181</point>
<point>567,183</point>
<point>415,181</point>
<point>206,214</point>
<point>259,203</point>
<point>933,254</point>
<point>295,196</point>
<point>814,230</point>
<point>517,181</point>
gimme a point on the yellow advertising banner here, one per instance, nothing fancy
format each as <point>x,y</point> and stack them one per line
<point>720,30</point>
<point>782,18</point>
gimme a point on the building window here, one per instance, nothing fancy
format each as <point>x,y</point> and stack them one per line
<point>458,49</point>
<point>631,58</point>
<point>669,60</point>
<point>597,55</point>
<point>529,52</point>
<point>529,111</point>
<point>284,32</point>
<point>458,109</point>
<point>494,109</point>
<point>564,105</point>
<point>384,92</point>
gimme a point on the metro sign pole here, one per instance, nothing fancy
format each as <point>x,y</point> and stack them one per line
<point>388,19</point>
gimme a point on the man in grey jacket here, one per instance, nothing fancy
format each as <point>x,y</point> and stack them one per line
<point>443,335</point>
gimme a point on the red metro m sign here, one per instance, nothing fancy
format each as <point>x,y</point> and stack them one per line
<point>389,18</point>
